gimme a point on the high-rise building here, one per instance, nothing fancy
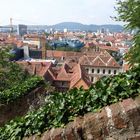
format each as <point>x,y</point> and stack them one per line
<point>21,29</point>
<point>102,30</point>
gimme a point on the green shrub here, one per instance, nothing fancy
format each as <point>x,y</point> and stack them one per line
<point>19,90</point>
<point>10,72</point>
<point>60,108</point>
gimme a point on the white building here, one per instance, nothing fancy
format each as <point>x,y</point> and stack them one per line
<point>99,65</point>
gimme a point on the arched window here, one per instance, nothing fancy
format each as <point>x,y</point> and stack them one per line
<point>92,70</point>
<point>103,71</point>
<point>115,71</point>
<point>92,79</point>
<point>87,70</point>
<point>98,70</point>
<point>109,71</point>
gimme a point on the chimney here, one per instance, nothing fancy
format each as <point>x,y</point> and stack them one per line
<point>43,47</point>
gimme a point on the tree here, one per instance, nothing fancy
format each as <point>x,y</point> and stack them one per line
<point>129,12</point>
<point>10,72</point>
<point>108,44</point>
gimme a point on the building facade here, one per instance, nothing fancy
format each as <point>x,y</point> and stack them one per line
<point>21,30</point>
<point>100,65</point>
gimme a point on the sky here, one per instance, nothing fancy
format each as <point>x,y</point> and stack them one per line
<point>49,12</point>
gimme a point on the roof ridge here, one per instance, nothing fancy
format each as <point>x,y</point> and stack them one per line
<point>102,60</point>
<point>95,59</point>
<point>51,73</point>
<point>79,75</point>
<point>108,60</point>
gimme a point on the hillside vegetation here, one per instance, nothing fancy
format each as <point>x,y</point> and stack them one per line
<point>10,72</point>
<point>14,82</point>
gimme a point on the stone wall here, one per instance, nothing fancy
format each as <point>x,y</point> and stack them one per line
<point>120,121</point>
<point>19,107</point>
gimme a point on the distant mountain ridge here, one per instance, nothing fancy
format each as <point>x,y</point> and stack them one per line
<point>84,27</point>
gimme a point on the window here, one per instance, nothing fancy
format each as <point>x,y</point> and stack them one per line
<point>98,70</point>
<point>63,83</point>
<point>92,79</point>
<point>103,71</point>
<point>87,70</point>
<point>115,71</point>
<point>109,71</point>
<point>92,70</point>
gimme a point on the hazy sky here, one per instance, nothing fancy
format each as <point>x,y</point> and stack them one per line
<point>54,11</point>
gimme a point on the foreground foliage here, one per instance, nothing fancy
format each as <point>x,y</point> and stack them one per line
<point>18,90</point>
<point>129,12</point>
<point>60,108</point>
<point>10,72</point>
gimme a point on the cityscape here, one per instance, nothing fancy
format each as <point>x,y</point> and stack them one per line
<point>71,74</point>
<point>66,53</point>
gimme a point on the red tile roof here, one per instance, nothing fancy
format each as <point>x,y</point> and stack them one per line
<point>79,73</point>
<point>69,73</point>
<point>98,61</point>
<point>111,48</point>
<point>35,68</point>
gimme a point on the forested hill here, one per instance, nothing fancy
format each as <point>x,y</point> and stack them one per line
<point>84,27</point>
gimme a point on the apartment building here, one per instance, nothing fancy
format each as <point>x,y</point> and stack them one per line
<point>99,65</point>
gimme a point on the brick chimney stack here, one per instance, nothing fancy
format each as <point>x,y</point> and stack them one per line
<point>43,46</point>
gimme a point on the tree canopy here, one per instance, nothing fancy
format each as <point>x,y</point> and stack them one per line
<point>129,12</point>
<point>10,72</point>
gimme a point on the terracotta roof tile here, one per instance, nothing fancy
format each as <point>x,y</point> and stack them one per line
<point>98,61</point>
<point>79,74</point>
<point>37,68</point>
<point>112,63</point>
